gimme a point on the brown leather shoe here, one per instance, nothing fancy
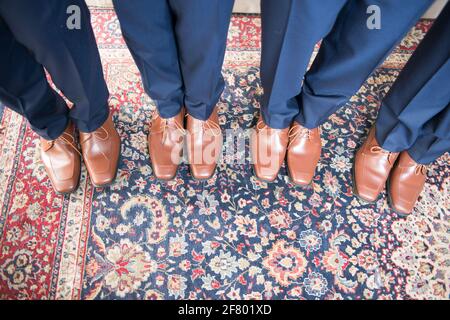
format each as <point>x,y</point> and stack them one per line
<point>204,144</point>
<point>165,143</point>
<point>371,168</point>
<point>405,184</point>
<point>101,151</point>
<point>268,149</point>
<point>303,153</point>
<point>61,159</point>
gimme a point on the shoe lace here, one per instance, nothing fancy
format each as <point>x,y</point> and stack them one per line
<point>66,138</point>
<point>169,124</point>
<point>98,134</point>
<point>379,150</point>
<point>298,132</point>
<point>211,126</point>
<point>420,169</point>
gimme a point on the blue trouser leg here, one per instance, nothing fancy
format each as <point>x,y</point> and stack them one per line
<point>290,30</point>
<point>348,54</point>
<point>434,139</point>
<point>147,27</point>
<point>179,47</point>
<point>415,114</point>
<point>69,55</point>
<point>24,88</point>
<point>201,29</point>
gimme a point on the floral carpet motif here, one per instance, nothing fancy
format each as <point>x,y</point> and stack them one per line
<point>231,236</point>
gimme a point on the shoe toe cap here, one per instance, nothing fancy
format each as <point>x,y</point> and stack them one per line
<point>165,172</point>
<point>102,180</point>
<point>367,194</point>
<point>66,186</point>
<point>202,172</point>
<point>302,179</point>
<point>266,173</point>
<point>401,207</point>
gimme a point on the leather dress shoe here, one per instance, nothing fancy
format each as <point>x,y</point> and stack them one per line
<point>204,145</point>
<point>165,142</point>
<point>371,168</point>
<point>268,150</point>
<point>303,153</point>
<point>405,184</point>
<point>61,159</point>
<point>101,151</point>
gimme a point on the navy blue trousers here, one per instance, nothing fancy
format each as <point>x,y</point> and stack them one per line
<point>349,53</point>
<point>34,36</point>
<point>179,47</point>
<point>415,114</point>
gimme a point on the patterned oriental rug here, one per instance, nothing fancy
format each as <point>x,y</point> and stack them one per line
<point>231,236</point>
